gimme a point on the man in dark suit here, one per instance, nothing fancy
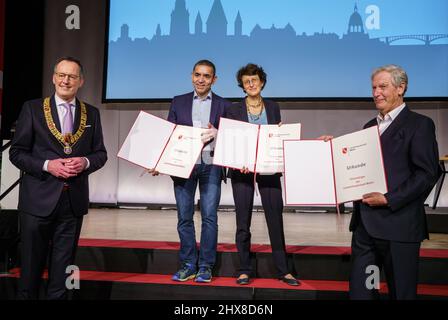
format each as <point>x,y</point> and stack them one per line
<point>58,143</point>
<point>389,228</point>
<point>201,108</point>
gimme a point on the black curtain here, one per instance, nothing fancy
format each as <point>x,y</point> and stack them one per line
<point>23,56</point>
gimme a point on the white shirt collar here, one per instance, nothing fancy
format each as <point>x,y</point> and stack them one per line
<point>59,101</point>
<point>392,114</point>
<point>209,95</point>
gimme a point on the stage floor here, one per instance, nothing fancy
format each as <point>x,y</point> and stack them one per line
<point>303,229</point>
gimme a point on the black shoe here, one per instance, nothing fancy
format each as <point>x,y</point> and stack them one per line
<point>290,281</point>
<point>243,281</point>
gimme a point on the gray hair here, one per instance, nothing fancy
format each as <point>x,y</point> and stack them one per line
<point>397,74</point>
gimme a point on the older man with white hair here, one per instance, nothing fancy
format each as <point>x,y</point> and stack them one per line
<point>388,228</point>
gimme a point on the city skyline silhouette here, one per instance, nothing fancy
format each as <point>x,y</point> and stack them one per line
<point>323,64</point>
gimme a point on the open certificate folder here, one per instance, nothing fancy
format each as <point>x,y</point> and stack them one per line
<point>338,171</point>
<point>154,143</point>
<point>258,148</point>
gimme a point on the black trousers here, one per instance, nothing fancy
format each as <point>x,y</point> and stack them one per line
<point>399,259</point>
<point>55,237</point>
<point>272,201</point>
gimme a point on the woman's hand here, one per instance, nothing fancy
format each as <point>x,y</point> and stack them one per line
<point>325,138</point>
<point>153,172</point>
<point>244,170</point>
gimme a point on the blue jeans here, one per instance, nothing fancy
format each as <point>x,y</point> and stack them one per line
<point>209,178</point>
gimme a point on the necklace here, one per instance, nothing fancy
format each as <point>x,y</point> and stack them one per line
<point>258,105</point>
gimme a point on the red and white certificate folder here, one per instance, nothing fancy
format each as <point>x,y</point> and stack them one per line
<point>258,148</point>
<point>338,171</point>
<point>154,143</point>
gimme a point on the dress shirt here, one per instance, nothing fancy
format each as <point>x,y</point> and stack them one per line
<point>61,113</point>
<point>385,121</point>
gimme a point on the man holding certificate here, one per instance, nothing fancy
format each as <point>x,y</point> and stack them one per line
<point>256,110</point>
<point>388,228</point>
<point>201,109</point>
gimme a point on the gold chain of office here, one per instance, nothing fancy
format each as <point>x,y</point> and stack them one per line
<point>66,140</point>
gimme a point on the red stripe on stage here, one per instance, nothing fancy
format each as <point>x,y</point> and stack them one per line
<point>137,244</point>
<point>226,247</point>
<point>260,283</point>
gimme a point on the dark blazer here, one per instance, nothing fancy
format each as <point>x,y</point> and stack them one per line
<point>238,111</point>
<point>411,158</point>
<point>33,143</point>
<point>181,109</point>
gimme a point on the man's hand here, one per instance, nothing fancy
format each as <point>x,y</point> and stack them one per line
<point>209,134</point>
<point>59,169</point>
<point>374,199</point>
<point>326,138</point>
<point>77,164</point>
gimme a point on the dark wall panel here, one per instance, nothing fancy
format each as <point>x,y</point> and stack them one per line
<point>24,39</point>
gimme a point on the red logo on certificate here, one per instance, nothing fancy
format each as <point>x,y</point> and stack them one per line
<point>344,150</point>
<point>179,137</point>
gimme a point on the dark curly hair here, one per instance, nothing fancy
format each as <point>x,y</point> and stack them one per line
<point>251,70</point>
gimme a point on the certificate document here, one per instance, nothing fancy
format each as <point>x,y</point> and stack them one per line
<point>146,140</point>
<point>270,146</point>
<point>257,147</point>
<point>329,173</point>
<point>182,151</point>
<point>359,162</point>
<point>236,144</point>
<point>308,176</point>
<point>156,143</point>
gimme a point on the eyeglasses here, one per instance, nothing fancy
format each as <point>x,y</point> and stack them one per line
<point>249,82</point>
<point>62,76</point>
